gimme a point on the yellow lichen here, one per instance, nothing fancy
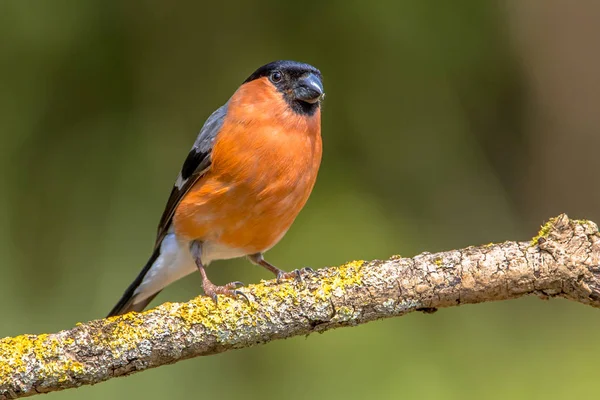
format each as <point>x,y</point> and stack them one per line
<point>125,334</point>
<point>544,231</point>
<point>230,315</point>
<point>228,321</point>
<point>336,281</point>
<point>47,351</point>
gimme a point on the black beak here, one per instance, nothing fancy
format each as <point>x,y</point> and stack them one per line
<point>309,89</point>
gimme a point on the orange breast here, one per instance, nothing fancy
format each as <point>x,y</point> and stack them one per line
<point>264,166</point>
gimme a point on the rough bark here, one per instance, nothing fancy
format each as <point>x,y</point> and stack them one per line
<point>563,260</point>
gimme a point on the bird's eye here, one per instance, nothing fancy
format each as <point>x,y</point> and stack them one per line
<point>276,77</point>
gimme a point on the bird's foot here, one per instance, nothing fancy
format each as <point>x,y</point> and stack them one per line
<point>230,290</point>
<point>296,274</point>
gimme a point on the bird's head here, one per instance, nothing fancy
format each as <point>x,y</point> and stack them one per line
<point>300,84</point>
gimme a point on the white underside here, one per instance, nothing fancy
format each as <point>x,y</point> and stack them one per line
<point>175,261</point>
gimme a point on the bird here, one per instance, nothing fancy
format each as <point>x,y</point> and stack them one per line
<point>248,175</point>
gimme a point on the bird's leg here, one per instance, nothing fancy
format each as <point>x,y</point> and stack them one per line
<point>280,274</point>
<point>210,289</point>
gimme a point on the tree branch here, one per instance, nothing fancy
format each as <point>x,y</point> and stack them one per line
<point>563,260</point>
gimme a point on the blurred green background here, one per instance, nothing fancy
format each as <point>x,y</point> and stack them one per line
<point>446,124</point>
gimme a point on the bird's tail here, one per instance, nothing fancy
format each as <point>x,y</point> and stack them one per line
<point>126,304</point>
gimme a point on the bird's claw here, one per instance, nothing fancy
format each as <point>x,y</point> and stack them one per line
<point>242,294</point>
<point>229,290</point>
<point>296,274</point>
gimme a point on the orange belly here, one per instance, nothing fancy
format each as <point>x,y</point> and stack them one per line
<point>259,180</point>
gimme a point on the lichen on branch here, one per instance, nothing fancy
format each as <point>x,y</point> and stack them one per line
<point>563,260</point>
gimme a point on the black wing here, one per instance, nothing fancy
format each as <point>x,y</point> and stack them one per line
<point>196,164</point>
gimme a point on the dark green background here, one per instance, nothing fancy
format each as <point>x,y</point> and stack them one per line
<point>446,124</point>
